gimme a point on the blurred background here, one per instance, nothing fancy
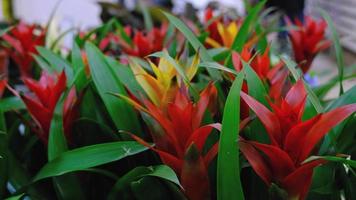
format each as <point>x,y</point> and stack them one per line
<point>86,14</point>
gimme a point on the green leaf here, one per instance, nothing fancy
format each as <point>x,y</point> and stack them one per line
<point>338,49</point>
<point>165,55</point>
<point>197,45</point>
<point>87,157</point>
<point>348,97</point>
<point>80,78</point>
<point>345,161</point>
<point>43,64</point>
<point>11,103</point>
<point>146,15</point>
<point>16,197</point>
<point>291,65</point>
<point>126,76</point>
<point>256,88</point>
<point>66,186</point>
<point>159,171</point>
<point>4,31</point>
<point>57,143</point>
<point>122,32</point>
<point>228,183</point>
<point>244,31</point>
<point>56,62</point>
<point>218,66</point>
<point>106,82</point>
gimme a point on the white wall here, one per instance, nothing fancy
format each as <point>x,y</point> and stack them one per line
<point>78,13</point>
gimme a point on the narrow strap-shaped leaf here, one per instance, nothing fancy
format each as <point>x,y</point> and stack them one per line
<point>159,171</point>
<point>80,78</point>
<point>194,41</point>
<point>338,49</point>
<point>4,31</point>
<point>348,97</point>
<point>244,31</point>
<point>291,65</point>
<point>57,143</point>
<point>351,163</point>
<point>215,65</point>
<point>146,15</point>
<point>228,174</point>
<point>43,64</point>
<point>66,186</point>
<point>56,62</point>
<point>256,88</point>
<point>87,157</point>
<point>106,82</point>
<point>11,103</point>
<point>126,76</point>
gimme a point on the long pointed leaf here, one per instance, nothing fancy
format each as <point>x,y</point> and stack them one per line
<point>228,183</point>
<point>87,157</point>
<point>106,82</point>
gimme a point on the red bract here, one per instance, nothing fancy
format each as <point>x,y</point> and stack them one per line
<point>292,140</point>
<point>213,26</point>
<point>3,71</point>
<point>260,63</point>
<point>23,40</point>
<point>275,76</point>
<point>307,41</point>
<point>41,106</point>
<point>144,44</point>
<point>181,139</point>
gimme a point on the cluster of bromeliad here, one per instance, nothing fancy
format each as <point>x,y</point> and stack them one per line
<point>177,129</point>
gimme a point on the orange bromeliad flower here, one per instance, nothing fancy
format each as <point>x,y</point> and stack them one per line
<point>307,41</point>
<point>47,92</point>
<point>161,87</point>
<point>180,139</point>
<point>292,140</point>
<point>23,40</point>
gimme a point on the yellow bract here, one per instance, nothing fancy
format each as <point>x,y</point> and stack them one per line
<point>228,34</point>
<point>161,86</point>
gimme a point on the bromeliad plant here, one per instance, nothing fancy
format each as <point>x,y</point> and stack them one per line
<point>161,113</point>
<point>42,103</point>
<point>308,40</point>
<point>21,42</point>
<point>180,138</point>
<point>284,160</point>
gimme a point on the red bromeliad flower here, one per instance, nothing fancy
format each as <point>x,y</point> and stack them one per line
<point>308,40</point>
<point>144,44</point>
<point>260,63</point>
<point>292,140</point>
<point>181,138</point>
<point>41,106</point>
<point>23,40</point>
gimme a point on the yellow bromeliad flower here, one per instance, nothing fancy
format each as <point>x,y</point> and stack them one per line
<point>162,85</point>
<point>222,34</point>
